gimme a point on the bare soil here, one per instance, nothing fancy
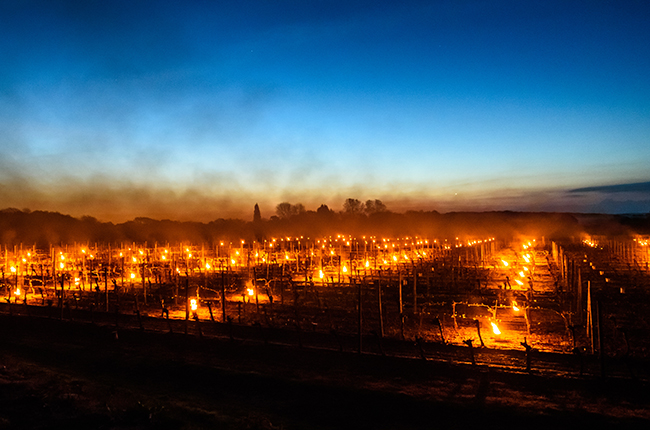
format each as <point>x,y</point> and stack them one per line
<point>64,374</point>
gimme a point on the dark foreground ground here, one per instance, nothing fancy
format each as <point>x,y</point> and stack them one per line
<point>60,374</point>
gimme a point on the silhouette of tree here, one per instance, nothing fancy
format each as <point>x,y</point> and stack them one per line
<point>323,210</point>
<point>283,210</point>
<point>257,215</point>
<point>352,206</point>
<point>287,210</point>
<point>374,206</point>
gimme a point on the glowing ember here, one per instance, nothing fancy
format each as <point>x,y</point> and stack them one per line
<point>495,329</point>
<point>514,306</point>
<point>193,304</point>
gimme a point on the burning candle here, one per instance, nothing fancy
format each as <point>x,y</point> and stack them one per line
<point>495,328</point>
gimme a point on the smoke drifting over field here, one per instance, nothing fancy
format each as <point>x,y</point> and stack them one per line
<point>44,228</point>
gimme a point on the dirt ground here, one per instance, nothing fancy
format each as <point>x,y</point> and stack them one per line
<point>62,374</point>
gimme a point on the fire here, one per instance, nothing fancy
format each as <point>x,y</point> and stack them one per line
<point>345,269</point>
<point>251,292</point>
<point>505,263</point>
<point>193,304</point>
<point>13,269</point>
<point>132,275</point>
<point>519,282</point>
<point>17,292</point>
<point>207,266</point>
<point>514,306</point>
<point>367,263</point>
<point>321,274</point>
<point>495,329</point>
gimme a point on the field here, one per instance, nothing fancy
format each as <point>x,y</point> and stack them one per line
<point>297,353</point>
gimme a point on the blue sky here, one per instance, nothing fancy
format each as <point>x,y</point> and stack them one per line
<point>200,109</point>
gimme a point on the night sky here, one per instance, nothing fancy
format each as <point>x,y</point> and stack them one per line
<point>200,109</point>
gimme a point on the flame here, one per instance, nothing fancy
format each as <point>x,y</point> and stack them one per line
<point>522,274</point>
<point>505,263</point>
<point>495,329</point>
<point>207,266</point>
<point>193,304</point>
<point>321,274</point>
<point>345,269</point>
<point>132,275</point>
<point>13,269</point>
<point>250,291</point>
<point>17,292</point>
<point>514,306</point>
<point>367,263</point>
<point>519,282</point>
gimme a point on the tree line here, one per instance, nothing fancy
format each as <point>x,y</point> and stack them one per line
<point>371,218</point>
